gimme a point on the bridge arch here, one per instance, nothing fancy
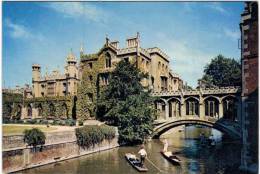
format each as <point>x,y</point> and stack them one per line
<point>191,97</point>
<point>174,98</point>
<point>159,130</point>
<point>212,96</point>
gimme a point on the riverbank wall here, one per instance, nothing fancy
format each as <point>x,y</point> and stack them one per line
<point>59,146</point>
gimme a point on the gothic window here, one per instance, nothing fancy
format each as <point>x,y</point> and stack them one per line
<point>90,65</point>
<point>192,107</point>
<point>90,97</point>
<point>108,61</point>
<point>90,78</point>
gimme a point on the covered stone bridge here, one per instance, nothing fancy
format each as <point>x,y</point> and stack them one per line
<point>209,106</point>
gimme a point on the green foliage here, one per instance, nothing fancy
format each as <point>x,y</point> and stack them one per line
<point>31,121</point>
<point>80,123</point>
<point>222,72</point>
<point>86,107</point>
<point>34,137</point>
<point>88,136</point>
<point>125,104</point>
<point>70,122</point>
<point>108,132</point>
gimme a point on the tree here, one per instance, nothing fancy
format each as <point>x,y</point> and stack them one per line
<point>125,104</point>
<point>222,72</point>
<point>34,137</point>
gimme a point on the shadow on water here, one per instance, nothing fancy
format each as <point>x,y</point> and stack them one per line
<point>195,158</point>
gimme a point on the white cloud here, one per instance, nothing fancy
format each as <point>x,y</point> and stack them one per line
<point>18,31</point>
<point>234,35</point>
<point>78,9</point>
<point>217,7</point>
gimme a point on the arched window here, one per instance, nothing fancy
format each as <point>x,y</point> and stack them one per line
<point>108,60</point>
<point>192,107</point>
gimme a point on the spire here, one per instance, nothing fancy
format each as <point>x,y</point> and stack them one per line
<point>107,40</point>
<point>71,57</point>
<point>138,39</point>
<point>81,48</point>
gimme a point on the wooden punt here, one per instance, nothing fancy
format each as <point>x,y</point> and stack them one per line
<point>172,158</point>
<point>135,163</point>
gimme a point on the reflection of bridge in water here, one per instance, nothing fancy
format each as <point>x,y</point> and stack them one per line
<point>213,107</point>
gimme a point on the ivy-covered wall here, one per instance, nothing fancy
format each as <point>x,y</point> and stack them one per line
<point>12,105</point>
<point>52,107</point>
<point>89,89</point>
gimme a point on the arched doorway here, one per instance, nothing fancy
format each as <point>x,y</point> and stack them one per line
<point>52,110</point>
<point>40,110</point>
<point>19,112</point>
<point>29,111</point>
<point>65,111</point>
<point>192,106</point>
<point>211,107</point>
<point>9,110</point>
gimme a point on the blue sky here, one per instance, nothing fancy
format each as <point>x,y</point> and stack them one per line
<point>191,33</point>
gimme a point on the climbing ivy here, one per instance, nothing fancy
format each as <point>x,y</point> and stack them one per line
<point>89,88</point>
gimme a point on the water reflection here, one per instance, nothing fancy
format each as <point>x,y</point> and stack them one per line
<point>182,140</point>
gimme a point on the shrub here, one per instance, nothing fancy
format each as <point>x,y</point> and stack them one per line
<point>91,135</point>
<point>34,137</point>
<point>80,123</point>
<point>43,122</point>
<point>31,121</point>
<point>109,132</point>
<point>70,122</point>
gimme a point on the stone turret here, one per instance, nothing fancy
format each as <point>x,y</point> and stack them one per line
<point>71,67</point>
<point>36,72</point>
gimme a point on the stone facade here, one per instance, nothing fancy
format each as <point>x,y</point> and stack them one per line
<point>249,56</point>
<point>95,70</point>
<point>56,84</point>
<point>83,83</point>
<point>217,103</point>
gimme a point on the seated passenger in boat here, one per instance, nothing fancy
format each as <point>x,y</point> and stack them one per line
<point>132,157</point>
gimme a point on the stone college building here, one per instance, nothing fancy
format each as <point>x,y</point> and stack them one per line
<point>74,93</point>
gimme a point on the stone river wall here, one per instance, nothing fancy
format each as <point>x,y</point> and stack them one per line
<point>59,146</point>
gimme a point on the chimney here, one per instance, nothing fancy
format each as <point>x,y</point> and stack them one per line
<point>115,44</point>
<point>134,41</point>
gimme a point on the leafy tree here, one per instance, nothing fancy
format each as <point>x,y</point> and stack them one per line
<point>222,72</point>
<point>34,137</point>
<point>125,104</point>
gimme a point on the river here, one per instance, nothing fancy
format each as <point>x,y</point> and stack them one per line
<point>195,159</point>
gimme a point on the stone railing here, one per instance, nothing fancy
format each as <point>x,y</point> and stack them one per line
<point>217,90</point>
<point>158,50</point>
<point>126,50</point>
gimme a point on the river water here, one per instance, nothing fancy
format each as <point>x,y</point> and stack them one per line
<point>195,158</point>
